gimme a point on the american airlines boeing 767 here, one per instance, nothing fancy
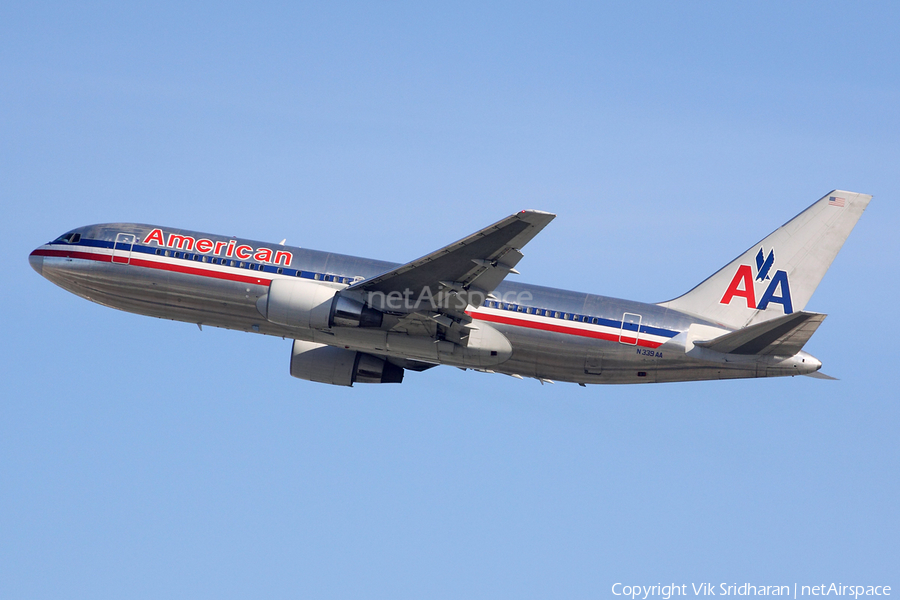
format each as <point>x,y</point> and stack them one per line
<point>358,320</point>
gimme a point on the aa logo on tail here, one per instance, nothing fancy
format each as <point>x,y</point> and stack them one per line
<point>743,285</point>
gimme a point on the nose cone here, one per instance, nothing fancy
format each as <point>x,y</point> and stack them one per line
<point>36,262</point>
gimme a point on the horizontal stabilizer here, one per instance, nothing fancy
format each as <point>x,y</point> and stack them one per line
<point>821,375</point>
<point>784,336</point>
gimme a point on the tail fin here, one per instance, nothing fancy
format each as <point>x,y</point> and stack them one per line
<point>778,275</point>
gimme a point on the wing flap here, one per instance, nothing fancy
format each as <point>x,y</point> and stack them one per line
<point>783,336</point>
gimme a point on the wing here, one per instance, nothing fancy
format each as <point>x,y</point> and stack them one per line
<point>465,272</point>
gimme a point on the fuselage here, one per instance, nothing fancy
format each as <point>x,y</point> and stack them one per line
<point>554,334</point>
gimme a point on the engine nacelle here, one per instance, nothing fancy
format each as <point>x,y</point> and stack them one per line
<point>347,312</point>
<point>314,305</point>
<point>337,366</point>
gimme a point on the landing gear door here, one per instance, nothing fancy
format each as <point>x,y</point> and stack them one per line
<point>122,248</point>
<point>631,329</point>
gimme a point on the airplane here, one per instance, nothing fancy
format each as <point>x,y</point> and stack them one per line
<point>357,320</point>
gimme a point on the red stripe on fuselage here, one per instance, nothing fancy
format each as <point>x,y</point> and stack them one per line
<point>73,254</point>
<point>164,266</point>
<point>151,264</point>
<point>600,335</point>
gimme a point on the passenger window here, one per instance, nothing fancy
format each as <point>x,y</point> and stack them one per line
<point>595,321</point>
<point>280,270</point>
<point>158,252</point>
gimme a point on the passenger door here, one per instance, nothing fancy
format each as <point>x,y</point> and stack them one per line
<point>122,248</point>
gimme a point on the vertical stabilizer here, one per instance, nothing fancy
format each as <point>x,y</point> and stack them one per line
<point>778,275</point>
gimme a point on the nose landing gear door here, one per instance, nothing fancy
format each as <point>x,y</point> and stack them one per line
<point>122,248</point>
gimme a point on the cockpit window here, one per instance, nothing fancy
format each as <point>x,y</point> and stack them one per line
<point>69,238</point>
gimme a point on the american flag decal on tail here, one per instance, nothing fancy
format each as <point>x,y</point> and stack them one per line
<point>835,201</point>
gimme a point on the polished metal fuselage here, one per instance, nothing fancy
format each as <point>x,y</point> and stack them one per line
<point>206,289</point>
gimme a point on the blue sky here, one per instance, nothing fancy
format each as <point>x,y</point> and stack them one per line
<point>142,458</point>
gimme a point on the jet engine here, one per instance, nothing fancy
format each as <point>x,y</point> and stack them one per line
<point>337,366</point>
<point>314,305</point>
